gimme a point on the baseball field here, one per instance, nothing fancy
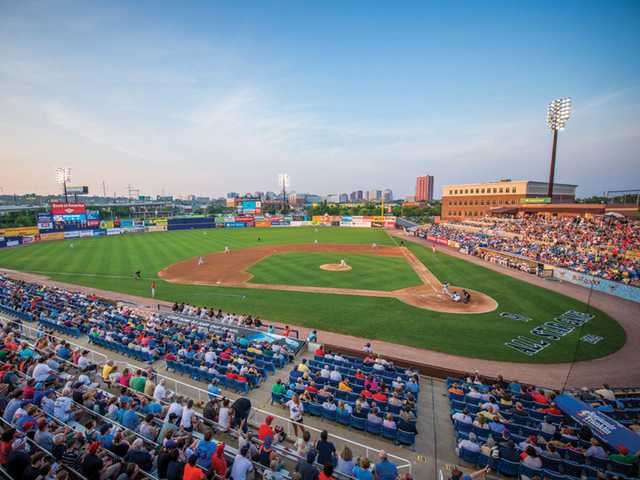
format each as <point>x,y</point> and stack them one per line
<point>277,275</point>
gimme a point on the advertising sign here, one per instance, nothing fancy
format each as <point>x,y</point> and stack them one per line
<point>72,234</point>
<point>534,200</point>
<point>68,208</point>
<point>618,289</point>
<point>45,222</point>
<point>15,231</point>
<point>603,427</point>
<point>249,207</point>
<point>52,236</point>
<point>78,190</point>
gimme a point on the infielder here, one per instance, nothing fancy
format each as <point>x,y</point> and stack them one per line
<point>226,249</point>
<point>200,261</point>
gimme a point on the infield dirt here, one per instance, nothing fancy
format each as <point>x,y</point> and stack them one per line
<point>231,269</point>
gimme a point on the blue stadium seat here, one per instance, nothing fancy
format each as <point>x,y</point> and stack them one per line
<point>390,433</point>
<point>373,428</point>
<point>406,438</point>
<point>357,423</point>
<point>468,456</point>
<point>507,468</point>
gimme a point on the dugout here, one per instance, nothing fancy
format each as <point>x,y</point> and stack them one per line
<point>513,260</point>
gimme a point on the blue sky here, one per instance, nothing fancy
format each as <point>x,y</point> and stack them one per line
<point>210,97</point>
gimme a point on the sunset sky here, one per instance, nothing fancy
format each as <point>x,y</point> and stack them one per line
<point>211,97</point>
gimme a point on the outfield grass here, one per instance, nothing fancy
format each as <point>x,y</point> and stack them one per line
<point>108,263</point>
<point>369,272</point>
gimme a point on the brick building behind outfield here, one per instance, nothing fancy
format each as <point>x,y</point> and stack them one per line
<point>474,200</point>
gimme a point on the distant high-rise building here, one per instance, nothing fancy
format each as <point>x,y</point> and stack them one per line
<point>232,195</point>
<point>378,195</point>
<point>353,197</point>
<point>344,198</point>
<point>424,188</point>
<point>359,196</point>
<point>387,195</point>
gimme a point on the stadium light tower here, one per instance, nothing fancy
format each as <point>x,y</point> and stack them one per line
<point>283,184</point>
<point>558,113</point>
<point>63,176</point>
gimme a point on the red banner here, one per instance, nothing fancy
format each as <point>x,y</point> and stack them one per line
<point>68,208</point>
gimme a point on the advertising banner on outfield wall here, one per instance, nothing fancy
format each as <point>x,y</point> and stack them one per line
<point>617,289</point>
<point>16,231</point>
<point>114,231</point>
<point>52,236</point>
<point>72,234</point>
<point>10,241</point>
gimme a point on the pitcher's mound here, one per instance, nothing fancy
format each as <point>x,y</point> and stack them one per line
<point>335,267</point>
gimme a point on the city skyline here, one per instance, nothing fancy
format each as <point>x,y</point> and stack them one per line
<point>208,99</point>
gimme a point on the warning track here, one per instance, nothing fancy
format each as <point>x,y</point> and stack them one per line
<point>231,270</point>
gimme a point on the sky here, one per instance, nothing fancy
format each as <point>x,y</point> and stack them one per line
<point>210,97</point>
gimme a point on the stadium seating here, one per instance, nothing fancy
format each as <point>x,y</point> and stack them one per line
<point>524,423</point>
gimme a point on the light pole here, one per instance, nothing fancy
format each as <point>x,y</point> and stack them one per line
<point>63,175</point>
<point>558,113</point>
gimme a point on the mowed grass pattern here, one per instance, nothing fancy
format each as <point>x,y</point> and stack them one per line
<point>368,272</point>
<point>109,263</point>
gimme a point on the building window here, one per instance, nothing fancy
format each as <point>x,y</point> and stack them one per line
<point>513,189</point>
<point>450,192</point>
<point>466,190</point>
<point>495,190</point>
<point>483,190</point>
<point>500,190</point>
<point>477,190</point>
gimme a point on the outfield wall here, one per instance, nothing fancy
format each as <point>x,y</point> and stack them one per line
<point>24,235</point>
<point>617,289</point>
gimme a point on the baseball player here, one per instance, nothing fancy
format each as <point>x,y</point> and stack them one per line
<point>200,261</point>
<point>226,249</point>
<point>153,289</point>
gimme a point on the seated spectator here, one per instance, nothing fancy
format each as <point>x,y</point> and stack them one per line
<point>470,444</point>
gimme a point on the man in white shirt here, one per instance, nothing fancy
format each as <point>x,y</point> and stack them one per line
<point>325,372</point>
<point>186,420</point>
<point>595,450</point>
<point>335,375</point>
<point>469,445</point>
<point>241,465</point>
<point>473,393</point>
<point>41,372</point>
<point>490,403</point>
<point>210,357</point>
<point>175,408</point>
<point>83,360</point>
<point>160,392</point>
<point>462,417</point>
